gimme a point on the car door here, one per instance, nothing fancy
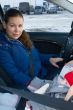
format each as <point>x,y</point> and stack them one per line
<point>48,42</point>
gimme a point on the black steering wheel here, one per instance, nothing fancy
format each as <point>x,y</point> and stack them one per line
<point>67,51</point>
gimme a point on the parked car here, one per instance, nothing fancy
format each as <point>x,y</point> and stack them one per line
<point>16,8</point>
<point>38,10</point>
<point>31,9</point>
<point>24,7</point>
<point>52,10</point>
<point>6,7</point>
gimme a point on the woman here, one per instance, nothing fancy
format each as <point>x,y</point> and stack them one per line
<point>17,52</point>
<point>18,57</point>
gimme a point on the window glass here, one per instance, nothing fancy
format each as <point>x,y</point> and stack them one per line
<point>40,15</point>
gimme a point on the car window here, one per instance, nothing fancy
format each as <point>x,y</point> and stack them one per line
<point>51,17</point>
<point>38,7</point>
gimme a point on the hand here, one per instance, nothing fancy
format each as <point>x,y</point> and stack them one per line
<point>31,88</point>
<point>70,62</point>
<point>69,94</point>
<point>63,82</point>
<point>54,61</point>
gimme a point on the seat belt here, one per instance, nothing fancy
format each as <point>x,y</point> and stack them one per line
<point>46,100</point>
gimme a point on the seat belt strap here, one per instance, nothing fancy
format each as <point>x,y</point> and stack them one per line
<point>42,99</point>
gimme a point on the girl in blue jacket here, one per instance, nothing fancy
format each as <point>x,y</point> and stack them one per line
<point>18,57</point>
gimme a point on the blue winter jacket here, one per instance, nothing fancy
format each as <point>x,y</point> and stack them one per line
<point>15,60</point>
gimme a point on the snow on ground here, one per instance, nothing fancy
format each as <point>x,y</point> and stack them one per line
<point>60,22</point>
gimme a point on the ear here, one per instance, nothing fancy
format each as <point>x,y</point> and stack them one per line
<point>4,25</point>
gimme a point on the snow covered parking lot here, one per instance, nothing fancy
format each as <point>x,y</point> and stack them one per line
<point>60,22</point>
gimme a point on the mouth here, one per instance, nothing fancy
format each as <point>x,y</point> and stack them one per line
<point>16,34</point>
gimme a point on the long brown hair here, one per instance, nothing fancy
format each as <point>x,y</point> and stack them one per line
<point>24,38</point>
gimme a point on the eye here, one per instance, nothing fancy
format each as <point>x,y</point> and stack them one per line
<point>12,25</point>
<point>20,25</point>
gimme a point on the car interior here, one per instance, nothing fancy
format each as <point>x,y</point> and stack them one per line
<point>53,43</point>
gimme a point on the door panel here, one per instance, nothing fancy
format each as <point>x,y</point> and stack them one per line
<point>46,46</point>
<point>49,42</point>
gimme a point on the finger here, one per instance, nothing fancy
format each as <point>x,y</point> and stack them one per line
<point>68,96</point>
<point>59,59</point>
<point>55,65</point>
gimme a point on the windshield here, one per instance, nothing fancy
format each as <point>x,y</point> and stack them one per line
<point>51,18</point>
<point>38,7</point>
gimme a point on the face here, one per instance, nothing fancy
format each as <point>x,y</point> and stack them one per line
<point>14,27</point>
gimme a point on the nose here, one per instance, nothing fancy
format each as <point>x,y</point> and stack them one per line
<point>16,29</point>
